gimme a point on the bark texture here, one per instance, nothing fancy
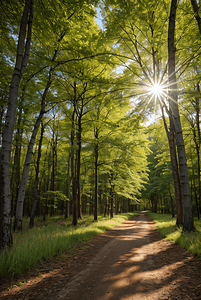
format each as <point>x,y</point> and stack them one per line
<point>96,176</point>
<point>79,134</point>
<point>23,50</point>
<point>73,168</point>
<point>175,169</point>
<point>188,224</point>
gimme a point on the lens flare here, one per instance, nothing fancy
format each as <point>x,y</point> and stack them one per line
<point>156,89</point>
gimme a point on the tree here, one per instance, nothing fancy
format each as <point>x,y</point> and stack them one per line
<point>173,95</point>
<point>174,162</point>
<point>23,50</point>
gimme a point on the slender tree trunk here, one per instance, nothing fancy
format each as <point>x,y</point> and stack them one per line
<point>194,187</point>
<point>198,163</point>
<point>79,165</point>
<point>171,203</point>
<point>197,143</point>
<point>111,195</point>
<point>105,198</point>
<point>111,203</point>
<point>2,112</point>
<point>74,193</point>
<point>52,185</point>
<point>68,182</point>
<point>15,181</point>
<point>175,169</point>
<point>35,201</point>
<point>96,176</point>
<point>188,224</point>
<point>117,205</point>
<point>23,50</point>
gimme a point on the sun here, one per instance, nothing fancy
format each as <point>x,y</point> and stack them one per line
<point>156,89</point>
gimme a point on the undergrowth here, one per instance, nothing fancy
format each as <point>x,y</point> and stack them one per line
<point>167,227</point>
<point>34,246</point>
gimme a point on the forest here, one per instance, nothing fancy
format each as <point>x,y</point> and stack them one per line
<point>99,110</point>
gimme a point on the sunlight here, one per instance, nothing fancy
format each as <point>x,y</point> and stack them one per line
<point>154,92</point>
<point>156,89</point>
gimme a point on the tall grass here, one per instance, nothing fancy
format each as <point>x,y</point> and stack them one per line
<point>166,225</point>
<point>34,246</point>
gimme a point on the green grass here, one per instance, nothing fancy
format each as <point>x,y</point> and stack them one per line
<point>34,246</point>
<point>166,225</point>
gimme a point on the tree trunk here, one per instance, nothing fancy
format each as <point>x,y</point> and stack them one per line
<point>78,166</point>
<point>15,182</point>
<point>68,188</point>
<point>197,143</point>
<point>188,224</point>
<point>111,203</point>
<point>23,50</point>
<point>96,177</point>
<point>74,193</point>
<point>111,195</point>
<point>175,169</point>
<point>194,187</point>
<point>117,205</point>
<point>35,201</point>
<point>171,203</point>
<point>2,112</point>
<point>52,185</point>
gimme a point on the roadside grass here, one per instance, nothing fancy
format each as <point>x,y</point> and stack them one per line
<point>166,225</point>
<point>34,246</point>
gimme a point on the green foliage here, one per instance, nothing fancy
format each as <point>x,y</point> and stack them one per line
<point>102,76</point>
<point>56,195</point>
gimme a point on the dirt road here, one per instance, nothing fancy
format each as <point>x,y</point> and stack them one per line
<point>135,264</point>
<point>127,262</point>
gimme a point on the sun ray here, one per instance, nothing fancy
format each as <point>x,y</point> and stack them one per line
<point>155,90</point>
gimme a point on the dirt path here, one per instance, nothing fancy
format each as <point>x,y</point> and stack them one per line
<point>127,262</point>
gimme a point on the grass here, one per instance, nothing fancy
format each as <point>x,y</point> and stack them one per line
<point>166,225</point>
<point>34,246</point>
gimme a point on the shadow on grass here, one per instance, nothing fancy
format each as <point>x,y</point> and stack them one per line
<point>40,244</point>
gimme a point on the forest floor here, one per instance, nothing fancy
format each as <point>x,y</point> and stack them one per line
<point>127,262</point>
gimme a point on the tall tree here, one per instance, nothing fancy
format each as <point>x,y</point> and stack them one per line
<point>173,95</point>
<point>23,50</point>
